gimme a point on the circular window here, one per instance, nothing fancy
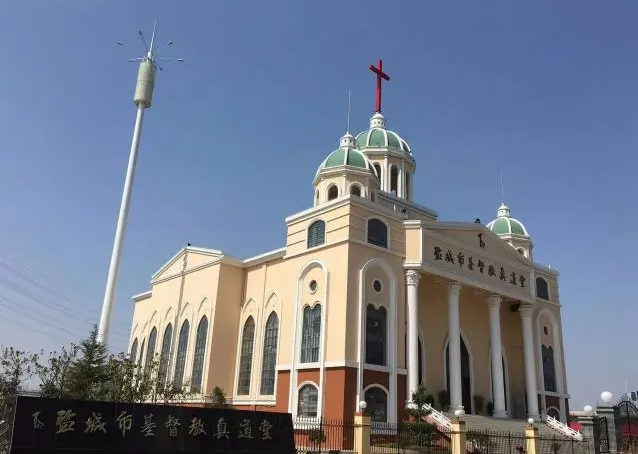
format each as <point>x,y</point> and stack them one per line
<point>313,286</point>
<point>545,330</point>
<point>377,286</point>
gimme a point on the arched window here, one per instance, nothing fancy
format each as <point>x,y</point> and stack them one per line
<point>198,358</point>
<point>394,179</point>
<point>316,233</point>
<point>355,189</point>
<point>311,334</point>
<point>180,362</point>
<point>246,358</point>
<point>407,186</point>
<point>377,167</point>
<point>549,371</point>
<point>133,354</point>
<point>553,412</point>
<point>150,352</point>
<point>377,233</point>
<point>165,355</point>
<point>376,335</point>
<point>269,357</point>
<point>333,192</point>
<point>377,400</point>
<point>542,291</point>
<point>308,399</point>
<point>142,352</point>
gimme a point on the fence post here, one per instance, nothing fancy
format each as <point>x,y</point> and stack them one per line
<point>457,435</point>
<point>531,436</point>
<point>614,433</point>
<point>361,433</point>
<point>590,431</point>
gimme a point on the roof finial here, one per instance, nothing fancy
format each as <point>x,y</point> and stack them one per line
<point>378,70</point>
<point>502,188</point>
<point>349,94</point>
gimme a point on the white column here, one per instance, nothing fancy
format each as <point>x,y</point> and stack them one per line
<point>454,346</point>
<point>412,280</point>
<point>498,386</point>
<point>530,364</point>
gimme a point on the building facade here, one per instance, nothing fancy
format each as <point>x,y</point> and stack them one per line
<point>371,296</point>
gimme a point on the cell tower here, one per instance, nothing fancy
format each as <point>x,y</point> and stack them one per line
<point>143,99</point>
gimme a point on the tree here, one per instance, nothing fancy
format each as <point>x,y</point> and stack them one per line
<point>16,367</point>
<point>55,378</point>
<point>218,398</point>
<point>421,401</point>
<point>88,374</point>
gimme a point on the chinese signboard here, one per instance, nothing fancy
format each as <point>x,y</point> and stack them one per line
<point>47,425</point>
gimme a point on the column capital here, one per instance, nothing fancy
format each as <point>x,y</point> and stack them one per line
<point>412,277</point>
<point>454,288</point>
<point>494,300</point>
<point>525,310</point>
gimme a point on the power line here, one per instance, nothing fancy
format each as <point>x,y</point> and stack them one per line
<point>16,287</point>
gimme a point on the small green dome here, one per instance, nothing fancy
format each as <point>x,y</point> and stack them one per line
<point>346,155</point>
<point>505,224</point>
<point>379,137</point>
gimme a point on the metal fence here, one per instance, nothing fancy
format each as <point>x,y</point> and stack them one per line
<point>412,437</point>
<point>563,445</point>
<point>494,442</point>
<point>322,435</point>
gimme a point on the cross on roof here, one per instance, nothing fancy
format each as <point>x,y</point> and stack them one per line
<point>380,75</point>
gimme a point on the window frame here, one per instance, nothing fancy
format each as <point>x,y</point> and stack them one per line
<point>379,346</point>
<point>180,356</point>
<point>387,233</point>
<point>536,292</point>
<point>199,355</point>
<point>318,243</point>
<point>165,353</point>
<point>369,409</point>
<point>246,358</point>
<point>300,390</point>
<point>330,188</point>
<point>269,358</point>
<point>310,345</point>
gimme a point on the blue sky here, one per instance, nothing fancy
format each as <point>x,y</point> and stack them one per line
<point>544,89</point>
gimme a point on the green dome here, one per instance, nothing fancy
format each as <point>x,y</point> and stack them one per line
<point>505,224</point>
<point>379,137</point>
<point>346,155</point>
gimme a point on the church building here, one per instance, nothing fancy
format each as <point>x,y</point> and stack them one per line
<point>370,296</point>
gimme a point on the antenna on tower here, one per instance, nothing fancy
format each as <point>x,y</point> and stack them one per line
<point>143,98</point>
<point>349,94</point>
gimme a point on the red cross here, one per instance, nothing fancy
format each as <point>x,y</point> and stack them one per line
<point>380,75</point>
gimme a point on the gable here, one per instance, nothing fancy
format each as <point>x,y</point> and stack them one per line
<point>456,250</point>
<point>197,258</point>
<point>480,238</point>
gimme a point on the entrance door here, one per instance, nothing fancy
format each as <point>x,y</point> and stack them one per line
<point>466,375</point>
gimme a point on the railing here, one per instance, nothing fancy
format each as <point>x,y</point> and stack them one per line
<point>562,445</point>
<point>438,418</point>
<point>413,437</point>
<point>493,442</point>
<point>318,435</point>
<point>563,428</point>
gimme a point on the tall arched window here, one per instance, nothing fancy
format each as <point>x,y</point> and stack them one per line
<point>407,186</point>
<point>165,355</point>
<point>150,352</point>
<point>377,400</point>
<point>355,189</point>
<point>377,233</point>
<point>246,358</point>
<point>316,233</point>
<point>180,362</point>
<point>549,370</point>
<point>377,168</point>
<point>198,358</point>
<point>542,290</point>
<point>133,354</point>
<point>394,179</point>
<point>376,335</point>
<point>311,334</point>
<point>333,192</point>
<point>308,400</point>
<point>142,352</point>
<point>269,357</point>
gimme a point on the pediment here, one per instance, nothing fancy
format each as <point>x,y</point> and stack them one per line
<point>480,239</point>
<point>197,258</point>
